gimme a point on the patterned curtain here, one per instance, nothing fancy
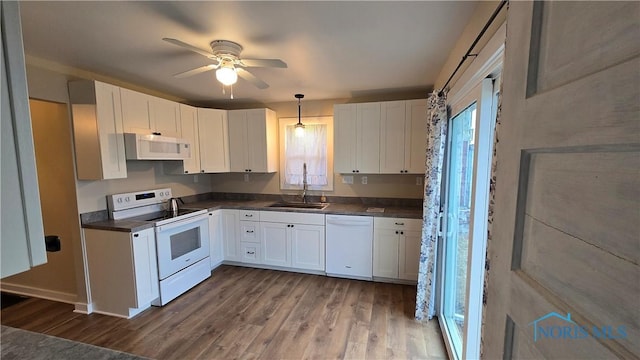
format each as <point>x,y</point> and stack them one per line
<point>436,141</point>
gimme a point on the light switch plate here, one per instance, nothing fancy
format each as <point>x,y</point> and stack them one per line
<point>347,179</point>
<point>418,180</point>
<point>365,180</point>
<point>246,177</point>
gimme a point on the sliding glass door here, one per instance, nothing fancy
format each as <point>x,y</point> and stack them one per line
<point>463,244</point>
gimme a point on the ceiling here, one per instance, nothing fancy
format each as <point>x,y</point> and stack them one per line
<point>333,49</point>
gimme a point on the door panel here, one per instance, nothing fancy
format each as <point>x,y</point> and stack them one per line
<point>344,138</point>
<point>392,137</point>
<point>368,138</point>
<point>565,223</point>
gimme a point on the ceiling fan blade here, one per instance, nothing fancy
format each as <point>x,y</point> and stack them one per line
<point>251,78</point>
<point>275,63</point>
<point>189,47</point>
<point>196,71</point>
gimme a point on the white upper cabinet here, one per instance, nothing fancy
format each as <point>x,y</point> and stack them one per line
<point>146,114</point>
<point>165,117</point>
<point>403,136</point>
<point>253,141</point>
<point>98,130</point>
<point>357,138</point>
<point>190,132</point>
<point>213,140</point>
<point>415,130</point>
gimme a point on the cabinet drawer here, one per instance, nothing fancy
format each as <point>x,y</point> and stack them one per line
<point>397,223</point>
<point>250,253</point>
<point>252,215</point>
<point>292,217</point>
<point>249,231</point>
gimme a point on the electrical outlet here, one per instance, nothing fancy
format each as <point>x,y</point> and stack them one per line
<point>195,178</point>
<point>364,180</point>
<point>347,179</point>
<point>418,180</point>
<point>246,177</point>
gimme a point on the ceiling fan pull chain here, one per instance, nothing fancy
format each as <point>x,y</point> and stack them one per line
<point>231,86</point>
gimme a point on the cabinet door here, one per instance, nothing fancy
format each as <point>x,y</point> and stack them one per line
<point>238,145</point>
<point>392,137</point>
<point>368,138</point>
<point>307,247</point>
<point>136,116</point>
<point>214,140</point>
<point>257,140</point>
<point>230,235</point>
<point>409,254</point>
<point>190,129</point>
<point>415,136</point>
<point>145,267</point>
<point>276,248</point>
<point>110,131</point>
<point>165,117</point>
<point>216,238</point>
<point>344,138</point>
<point>385,253</point>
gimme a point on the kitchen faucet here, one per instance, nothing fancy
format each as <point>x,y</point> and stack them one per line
<point>304,183</point>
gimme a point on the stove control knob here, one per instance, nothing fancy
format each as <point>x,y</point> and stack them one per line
<point>119,200</point>
<point>127,199</point>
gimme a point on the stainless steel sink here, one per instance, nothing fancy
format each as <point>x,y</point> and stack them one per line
<point>299,205</point>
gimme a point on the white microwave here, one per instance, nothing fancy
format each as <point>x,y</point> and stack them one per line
<point>155,147</point>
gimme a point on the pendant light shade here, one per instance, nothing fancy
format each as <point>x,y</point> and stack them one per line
<point>299,128</point>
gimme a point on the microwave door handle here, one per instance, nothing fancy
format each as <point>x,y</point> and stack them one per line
<point>179,223</point>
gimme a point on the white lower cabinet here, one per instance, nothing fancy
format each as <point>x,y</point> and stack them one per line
<point>230,237</point>
<point>276,244</point>
<point>250,252</point>
<point>123,271</point>
<point>396,248</point>
<point>216,238</point>
<point>307,247</point>
<point>293,240</point>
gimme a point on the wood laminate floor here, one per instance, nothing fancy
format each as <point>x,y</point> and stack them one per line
<point>250,313</point>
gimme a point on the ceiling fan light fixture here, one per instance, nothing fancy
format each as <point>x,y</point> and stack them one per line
<point>227,75</point>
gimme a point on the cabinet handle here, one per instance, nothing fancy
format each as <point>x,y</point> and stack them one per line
<point>210,214</point>
<point>249,170</point>
<point>396,232</point>
<point>401,232</point>
<point>251,252</point>
<point>347,266</point>
<point>248,215</point>
<point>136,235</point>
<point>357,171</point>
<point>249,231</point>
<point>353,171</point>
<point>156,133</point>
<point>399,223</point>
<point>291,225</point>
<point>186,172</point>
<point>201,171</point>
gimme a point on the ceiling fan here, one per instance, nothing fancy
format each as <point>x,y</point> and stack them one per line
<point>225,57</point>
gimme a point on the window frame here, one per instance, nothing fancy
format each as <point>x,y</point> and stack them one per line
<point>310,120</point>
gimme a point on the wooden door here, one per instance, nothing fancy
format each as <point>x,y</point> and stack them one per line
<point>564,249</point>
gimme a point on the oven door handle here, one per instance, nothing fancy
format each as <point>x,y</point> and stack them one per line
<point>179,223</point>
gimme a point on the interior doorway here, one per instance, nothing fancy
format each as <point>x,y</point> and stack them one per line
<point>55,280</point>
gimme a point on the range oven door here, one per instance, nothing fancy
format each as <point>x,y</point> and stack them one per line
<point>181,243</point>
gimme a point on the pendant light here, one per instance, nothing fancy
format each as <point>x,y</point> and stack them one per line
<point>299,128</point>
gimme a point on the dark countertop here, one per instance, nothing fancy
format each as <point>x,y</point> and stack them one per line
<point>332,209</point>
<point>99,219</point>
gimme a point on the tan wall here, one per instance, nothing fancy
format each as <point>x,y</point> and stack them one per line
<point>54,160</point>
<point>481,15</point>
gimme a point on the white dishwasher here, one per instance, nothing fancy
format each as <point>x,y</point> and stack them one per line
<point>349,246</point>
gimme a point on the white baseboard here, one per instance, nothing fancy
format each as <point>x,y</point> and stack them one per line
<point>39,293</point>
